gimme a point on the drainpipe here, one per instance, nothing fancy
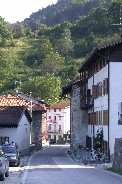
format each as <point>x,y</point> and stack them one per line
<point>71,140</point>
<point>108,110</point>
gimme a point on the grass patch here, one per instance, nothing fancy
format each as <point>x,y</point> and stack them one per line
<point>117,171</point>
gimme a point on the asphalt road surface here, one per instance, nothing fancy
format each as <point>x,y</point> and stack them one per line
<point>53,166</point>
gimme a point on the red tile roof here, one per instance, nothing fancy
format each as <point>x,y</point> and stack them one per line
<point>11,100</point>
<point>11,115</point>
<point>61,105</point>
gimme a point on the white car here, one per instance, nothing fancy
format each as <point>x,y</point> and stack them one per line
<point>4,166</point>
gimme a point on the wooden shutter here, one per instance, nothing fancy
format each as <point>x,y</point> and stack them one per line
<point>94,91</point>
<point>96,115</point>
<point>94,118</point>
<point>105,86</point>
<point>99,90</point>
<point>105,117</point>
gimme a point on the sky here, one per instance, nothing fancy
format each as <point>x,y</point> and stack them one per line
<point>17,10</point>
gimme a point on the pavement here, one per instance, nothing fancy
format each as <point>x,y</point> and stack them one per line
<point>89,162</point>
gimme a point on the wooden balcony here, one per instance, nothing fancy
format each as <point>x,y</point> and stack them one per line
<point>87,102</point>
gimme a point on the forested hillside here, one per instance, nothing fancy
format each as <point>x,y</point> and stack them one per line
<point>64,10</point>
<point>41,57</point>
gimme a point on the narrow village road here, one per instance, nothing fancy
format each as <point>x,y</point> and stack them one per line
<point>53,166</point>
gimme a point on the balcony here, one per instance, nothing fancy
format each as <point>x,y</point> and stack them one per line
<point>54,121</point>
<point>50,131</point>
<point>55,131</point>
<point>87,102</point>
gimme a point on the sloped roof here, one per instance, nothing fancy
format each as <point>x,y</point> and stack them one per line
<point>11,115</point>
<point>29,97</point>
<point>11,100</point>
<point>61,105</point>
<point>97,50</point>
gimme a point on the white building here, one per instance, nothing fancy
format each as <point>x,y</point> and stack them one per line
<point>101,93</point>
<point>58,120</point>
<point>15,125</point>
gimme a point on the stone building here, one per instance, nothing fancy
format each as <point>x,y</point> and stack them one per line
<point>79,119</point>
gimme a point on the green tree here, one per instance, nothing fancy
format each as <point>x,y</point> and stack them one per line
<point>52,64</point>
<point>65,44</point>
<point>44,47</point>
<point>45,87</point>
<point>18,30</point>
<point>5,33</point>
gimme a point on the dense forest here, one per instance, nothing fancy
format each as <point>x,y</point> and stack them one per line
<point>44,52</point>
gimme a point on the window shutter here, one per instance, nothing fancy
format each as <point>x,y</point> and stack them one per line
<point>94,118</point>
<point>96,115</point>
<point>99,90</point>
<point>105,86</point>
<point>105,117</point>
<point>94,91</point>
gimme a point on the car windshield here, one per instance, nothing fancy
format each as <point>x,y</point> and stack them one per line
<point>8,150</point>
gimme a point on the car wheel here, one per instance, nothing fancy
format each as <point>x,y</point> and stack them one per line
<point>7,173</point>
<point>2,177</point>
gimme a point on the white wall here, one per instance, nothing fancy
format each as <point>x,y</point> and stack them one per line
<point>9,132</point>
<point>115,98</point>
<point>23,133</point>
<point>100,103</point>
<point>64,121</point>
<point>20,135</point>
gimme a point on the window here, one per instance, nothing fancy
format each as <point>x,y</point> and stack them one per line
<point>49,127</point>
<point>54,110</point>
<point>96,91</point>
<point>54,118</point>
<point>4,139</point>
<point>49,117</point>
<point>59,127</point>
<point>54,128</point>
<point>59,117</point>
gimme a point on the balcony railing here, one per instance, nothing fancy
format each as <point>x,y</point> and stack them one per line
<point>87,102</point>
<point>55,131</point>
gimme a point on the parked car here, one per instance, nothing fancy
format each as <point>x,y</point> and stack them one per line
<point>52,141</point>
<point>4,165</point>
<point>12,154</point>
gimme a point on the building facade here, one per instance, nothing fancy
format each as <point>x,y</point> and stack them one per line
<point>101,95</point>
<point>58,120</point>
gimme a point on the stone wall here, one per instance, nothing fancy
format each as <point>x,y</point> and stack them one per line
<point>79,119</point>
<point>36,135</point>
<point>117,161</point>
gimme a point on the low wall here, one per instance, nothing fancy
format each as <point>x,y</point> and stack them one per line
<point>117,161</point>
